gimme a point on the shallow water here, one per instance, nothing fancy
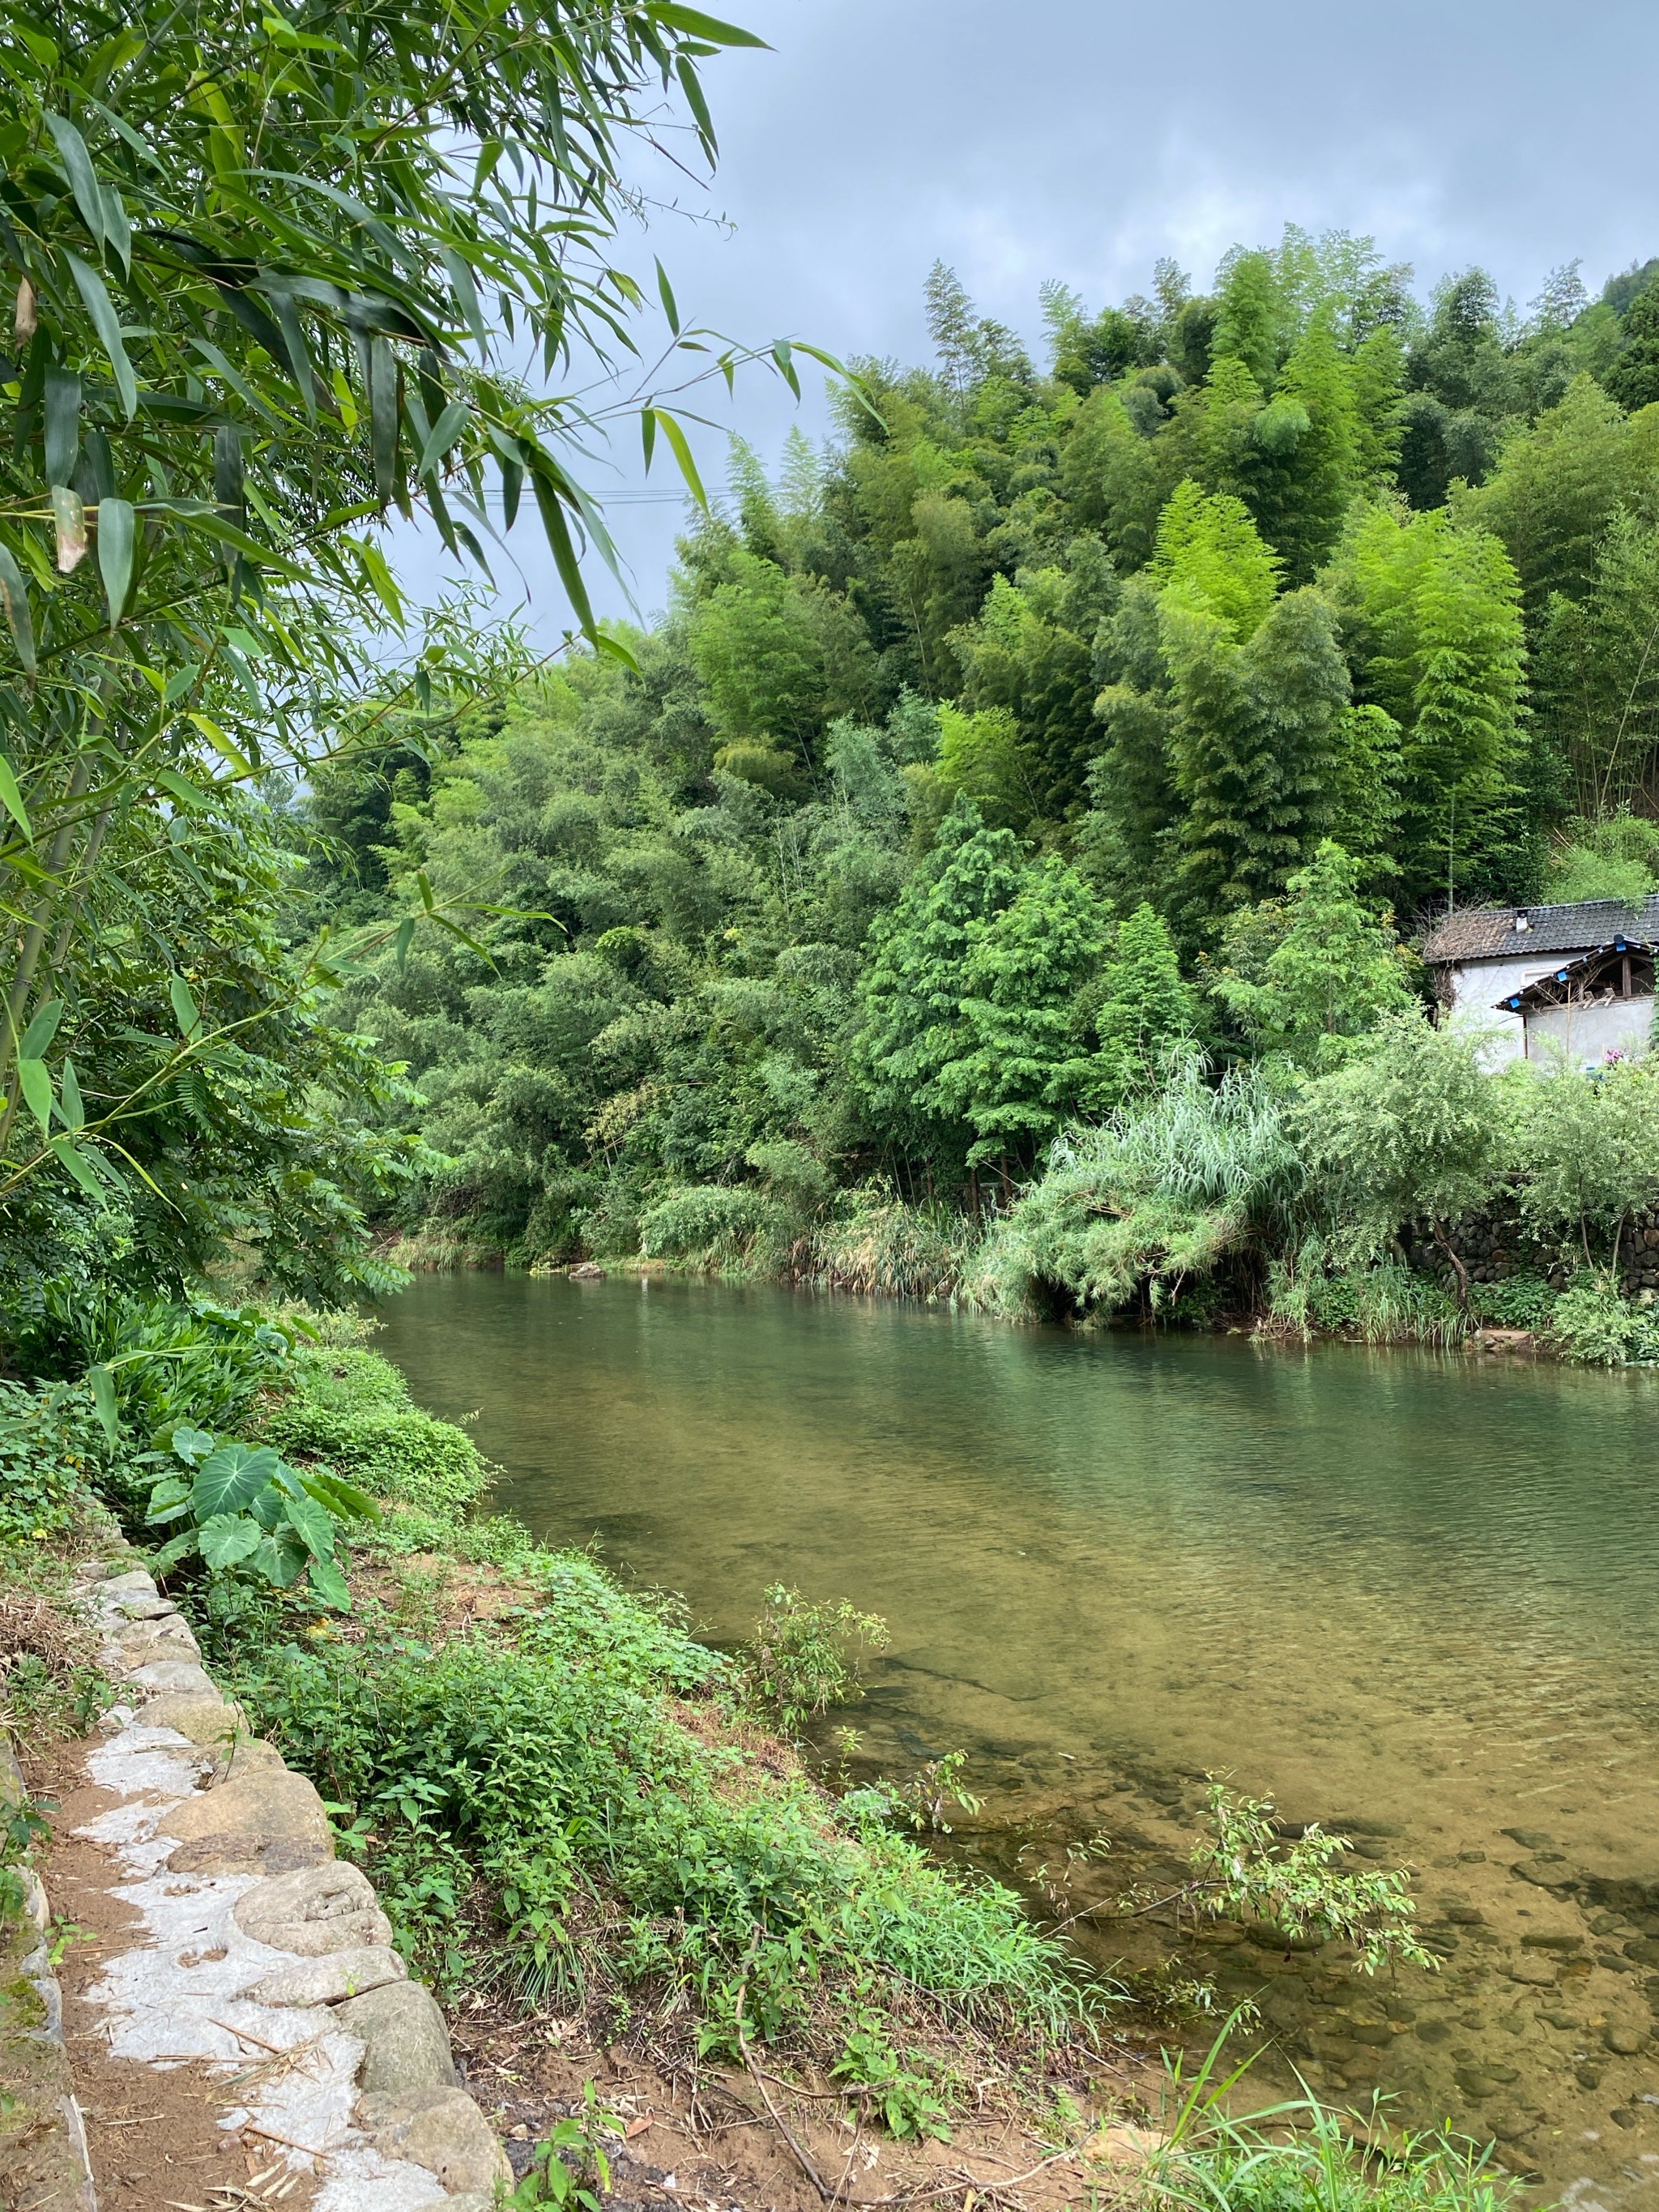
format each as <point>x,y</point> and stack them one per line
<point>1412,1595</point>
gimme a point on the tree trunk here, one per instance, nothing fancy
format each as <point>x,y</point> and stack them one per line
<point>1443,1241</point>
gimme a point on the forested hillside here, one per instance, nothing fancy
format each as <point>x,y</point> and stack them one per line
<point>1057,714</point>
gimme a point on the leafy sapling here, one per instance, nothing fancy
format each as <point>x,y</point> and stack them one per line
<point>1244,1869</point>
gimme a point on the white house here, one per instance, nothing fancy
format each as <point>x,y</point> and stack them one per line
<point>1550,984</point>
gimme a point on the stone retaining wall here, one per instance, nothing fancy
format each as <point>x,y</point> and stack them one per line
<point>262,1953</point>
<point>43,2141</point>
<point>1493,1247</point>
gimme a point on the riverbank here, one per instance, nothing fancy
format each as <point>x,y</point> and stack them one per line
<point>616,1873</point>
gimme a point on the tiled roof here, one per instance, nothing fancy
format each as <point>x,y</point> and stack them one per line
<point>1488,933</point>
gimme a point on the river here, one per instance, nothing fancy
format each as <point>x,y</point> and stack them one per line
<point>1411,1596</point>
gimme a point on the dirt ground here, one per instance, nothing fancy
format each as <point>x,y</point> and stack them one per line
<point>712,2142</point>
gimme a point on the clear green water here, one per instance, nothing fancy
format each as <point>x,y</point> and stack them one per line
<point>1411,1595</point>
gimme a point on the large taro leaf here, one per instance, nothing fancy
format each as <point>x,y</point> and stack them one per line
<point>330,1585</point>
<point>279,1558</point>
<point>313,1523</point>
<point>228,1539</point>
<point>169,1499</point>
<point>230,1479</point>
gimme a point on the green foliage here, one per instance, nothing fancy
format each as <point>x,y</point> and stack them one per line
<point>1210,557</point>
<point>1438,629</point>
<point>570,2165</point>
<point>248,1514</point>
<point>972,750</point>
<point>350,1408</point>
<point>1300,2156</point>
<point>901,2097</point>
<point>1384,1302</point>
<point>53,1452</point>
<point>552,1758</point>
<point>1633,379</point>
<point>1584,1151</point>
<point>1243,1870</point>
<point>715,1225</point>
<point>1597,1327</point>
<point>1145,1013</point>
<point>227,370</point>
<point>1331,969</point>
<point>1596,674</point>
<point>803,1656</point>
<point>1168,1189</point>
<point>1409,1128</point>
<point>1618,858</point>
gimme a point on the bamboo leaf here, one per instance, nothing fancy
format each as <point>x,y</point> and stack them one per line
<point>69,1157</point>
<point>466,296</point>
<point>117,544</point>
<point>695,24</point>
<point>221,743</point>
<point>686,72</point>
<point>14,595</point>
<point>443,434</point>
<point>383,416</point>
<point>99,305</point>
<point>185,1012</point>
<point>34,1081</point>
<point>36,1040</point>
<point>682,451</point>
<point>62,412</point>
<point>405,932</point>
<point>381,580</point>
<point>69,519</point>
<point>70,1103</point>
<point>12,799</point>
<point>666,292</point>
<point>82,176</point>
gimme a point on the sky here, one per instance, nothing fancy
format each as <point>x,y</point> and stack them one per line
<point>1081,139</point>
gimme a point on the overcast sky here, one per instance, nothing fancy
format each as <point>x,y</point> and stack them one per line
<point>1081,139</point>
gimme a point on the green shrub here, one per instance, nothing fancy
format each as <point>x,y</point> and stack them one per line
<point>715,1225</point>
<point>352,1409</point>
<point>52,1451</point>
<point>1518,1302</point>
<point>1387,1302</point>
<point>880,1243</point>
<point>803,1657</point>
<point>1596,1327</point>
<point>556,1764</point>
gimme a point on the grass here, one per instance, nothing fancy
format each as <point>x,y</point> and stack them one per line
<point>1301,2156</point>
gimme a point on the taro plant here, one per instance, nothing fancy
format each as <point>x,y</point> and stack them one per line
<point>247,1512</point>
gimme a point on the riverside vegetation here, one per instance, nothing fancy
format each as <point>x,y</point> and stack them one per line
<point>566,1802</point>
<point>1033,771</point>
<point>995,876</point>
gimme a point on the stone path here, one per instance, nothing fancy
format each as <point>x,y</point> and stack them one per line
<point>253,1952</point>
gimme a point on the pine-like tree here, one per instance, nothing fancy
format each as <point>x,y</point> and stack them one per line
<point>911,990</point>
<point>1335,970</point>
<point>1253,740</point>
<point>1146,1010</point>
<point>1024,1068</point>
<point>1633,379</point>
<point>1307,464</point>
